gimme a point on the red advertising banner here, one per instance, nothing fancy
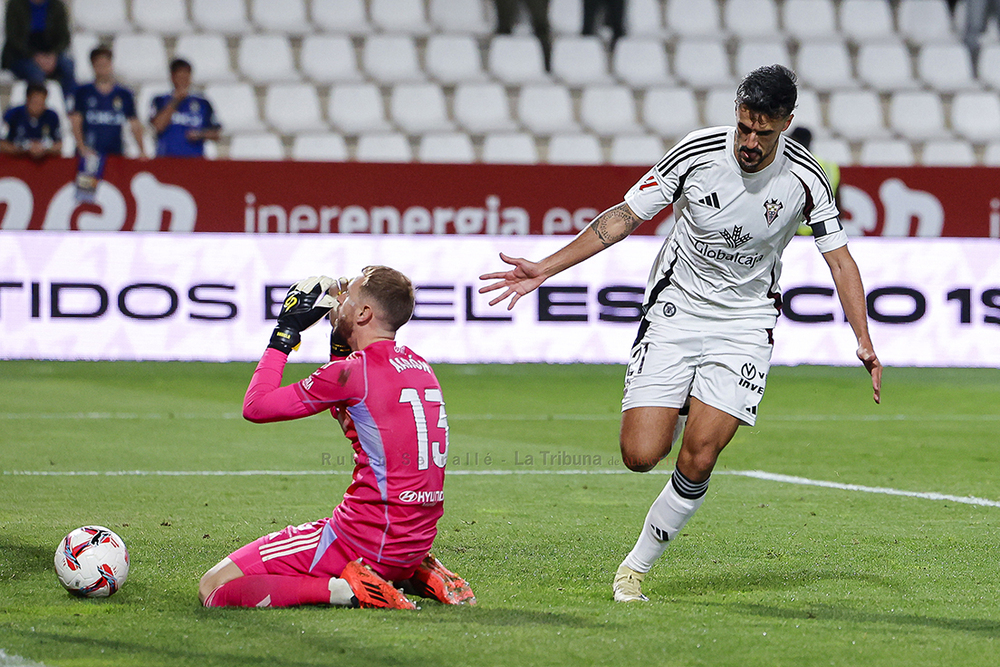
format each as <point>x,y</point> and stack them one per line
<point>179,195</point>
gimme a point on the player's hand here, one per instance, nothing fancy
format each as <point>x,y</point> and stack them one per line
<point>305,304</point>
<point>867,356</point>
<point>522,279</point>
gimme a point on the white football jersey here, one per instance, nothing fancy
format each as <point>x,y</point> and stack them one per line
<point>722,260</point>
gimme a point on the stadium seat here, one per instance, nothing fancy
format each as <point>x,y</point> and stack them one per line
<point>825,65</point>
<point>609,110</point>
<point>449,147</point>
<point>644,18</point>
<point>293,107</point>
<point>809,19</point>
<point>164,17</point>
<point>483,107</point>
<point>808,113</point>
<point>384,147</point>
<point>258,146</point>
<point>266,59</point>
<point>516,59</point>
<point>925,21</point>
<point>284,16</point>
<point>702,63</point>
<point>322,146</point>
<point>419,108</point>
<point>976,116</point>
<point>399,16</point>
<point>566,16</point>
<point>720,106</point>
<point>641,62</point>
<point>545,109</point>
<point>574,149</point>
<point>453,59</point>
<point>948,153</point>
<point>693,17</point>
<point>104,17</point>
<point>991,156</point>
<point>946,67</point>
<point>887,153</point>
<point>917,115</point>
<point>141,58</point>
<point>236,106</point>
<point>856,114</point>
<point>144,99</point>
<point>357,107</point>
<point>208,55</point>
<point>751,18</point>
<point>81,46</point>
<point>989,65</point>
<point>636,150</point>
<point>837,151</point>
<point>341,16</point>
<point>391,59</point>
<point>670,112</point>
<point>579,61</point>
<point>329,59</point>
<point>226,16</point>
<point>866,20</point>
<point>510,148</point>
<point>886,65</point>
<point>751,54</point>
<point>459,16</point>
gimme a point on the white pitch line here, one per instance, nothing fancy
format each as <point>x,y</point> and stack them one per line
<point>756,474</point>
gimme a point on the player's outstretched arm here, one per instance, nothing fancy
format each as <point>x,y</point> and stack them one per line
<point>608,228</point>
<point>851,291</point>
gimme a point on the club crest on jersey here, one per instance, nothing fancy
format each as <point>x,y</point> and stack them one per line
<point>735,238</point>
<point>771,208</point>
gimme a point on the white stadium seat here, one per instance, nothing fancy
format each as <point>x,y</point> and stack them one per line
<point>976,116</point>
<point>293,107</point>
<point>578,61</point>
<point>574,149</point>
<point>208,55</point>
<point>357,107</point>
<point>483,107</point>
<point>321,146</point>
<point>165,17</point>
<point>925,21</point>
<point>751,18</point>
<point>340,16</point>
<point>143,99</point>
<point>391,59</point>
<point>809,19</point>
<point>948,153</point>
<point>751,54</point>
<point>140,58</point>
<point>886,65</point>
<point>702,63</point>
<point>808,113</point>
<point>856,114</point>
<point>917,115</point>
<point>991,156</point>
<point>516,59</point>
<point>837,151</point>
<point>104,17</point>
<point>946,67</point>
<point>329,59</point>
<point>405,16</point>
<point>641,62</point>
<point>81,46</point>
<point>566,16</point>
<point>636,149</point>
<point>609,110</point>
<point>449,147</point>
<point>258,146</point>
<point>266,59</point>
<point>236,106</point>
<point>693,17</point>
<point>546,109</point>
<point>864,20</point>
<point>989,65</point>
<point>226,16</point>
<point>285,16</point>
<point>419,108</point>
<point>670,112</point>
<point>825,65</point>
<point>720,106</point>
<point>384,147</point>
<point>510,148</point>
<point>459,16</point>
<point>453,59</point>
<point>887,153</point>
<point>644,18</point>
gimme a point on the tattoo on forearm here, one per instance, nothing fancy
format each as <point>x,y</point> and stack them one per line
<point>614,225</point>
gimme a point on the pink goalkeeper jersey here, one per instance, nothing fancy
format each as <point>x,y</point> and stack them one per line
<point>399,431</point>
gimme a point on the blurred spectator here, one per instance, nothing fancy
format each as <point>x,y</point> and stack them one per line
<point>977,15</point>
<point>614,18</point>
<point>32,129</point>
<point>99,110</point>
<point>804,136</point>
<point>36,40</point>
<point>539,10</point>
<point>183,121</point>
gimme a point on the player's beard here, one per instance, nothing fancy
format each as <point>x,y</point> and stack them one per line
<point>750,158</point>
<point>344,328</point>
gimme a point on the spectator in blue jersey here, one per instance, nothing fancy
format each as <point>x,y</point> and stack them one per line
<point>183,121</point>
<point>32,129</point>
<point>36,38</point>
<point>100,110</point>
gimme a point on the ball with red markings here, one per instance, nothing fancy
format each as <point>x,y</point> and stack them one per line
<point>92,562</point>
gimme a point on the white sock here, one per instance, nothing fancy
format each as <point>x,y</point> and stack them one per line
<point>340,592</point>
<point>664,521</point>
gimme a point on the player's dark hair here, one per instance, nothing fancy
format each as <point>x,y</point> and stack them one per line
<point>35,87</point>
<point>102,50</point>
<point>392,291</point>
<point>179,63</point>
<point>768,90</point>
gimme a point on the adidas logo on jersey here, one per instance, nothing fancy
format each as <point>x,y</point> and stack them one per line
<point>711,200</point>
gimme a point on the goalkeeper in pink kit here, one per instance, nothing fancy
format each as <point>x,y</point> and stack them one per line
<point>390,406</point>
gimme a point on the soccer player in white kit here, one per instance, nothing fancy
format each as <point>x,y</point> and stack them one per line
<point>712,299</point>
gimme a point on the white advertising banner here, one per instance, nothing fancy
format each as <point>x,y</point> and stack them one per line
<point>213,297</point>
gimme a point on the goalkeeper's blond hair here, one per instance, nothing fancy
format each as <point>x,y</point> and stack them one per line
<point>391,291</point>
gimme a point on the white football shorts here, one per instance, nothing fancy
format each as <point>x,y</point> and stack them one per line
<point>726,370</point>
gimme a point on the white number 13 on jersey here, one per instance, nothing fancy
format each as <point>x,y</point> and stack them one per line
<point>431,397</point>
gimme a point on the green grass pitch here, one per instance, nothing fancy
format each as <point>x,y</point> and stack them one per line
<point>767,573</point>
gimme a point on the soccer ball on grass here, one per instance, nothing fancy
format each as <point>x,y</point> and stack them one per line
<point>92,562</point>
